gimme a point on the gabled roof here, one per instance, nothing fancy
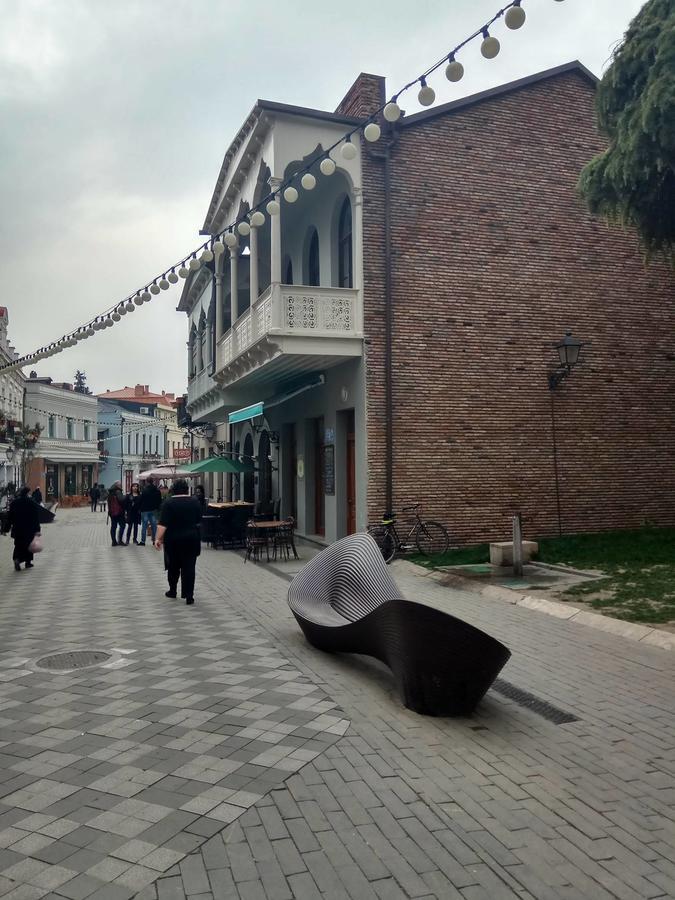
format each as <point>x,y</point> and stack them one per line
<point>500,91</point>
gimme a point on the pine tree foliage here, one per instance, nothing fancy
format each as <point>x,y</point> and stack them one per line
<point>633,181</point>
<point>81,383</point>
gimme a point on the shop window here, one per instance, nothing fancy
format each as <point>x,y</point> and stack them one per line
<point>69,485</point>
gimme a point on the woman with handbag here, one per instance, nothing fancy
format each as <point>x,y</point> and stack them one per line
<point>24,520</point>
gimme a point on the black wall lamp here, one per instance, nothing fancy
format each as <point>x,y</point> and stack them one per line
<point>568,349</point>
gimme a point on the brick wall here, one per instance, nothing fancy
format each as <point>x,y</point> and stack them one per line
<point>494,256</point>
<point>363,97</point>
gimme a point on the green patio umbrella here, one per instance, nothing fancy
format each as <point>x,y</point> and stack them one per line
<point>220,464</point>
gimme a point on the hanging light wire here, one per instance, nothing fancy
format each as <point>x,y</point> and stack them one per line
<point>285,189</point>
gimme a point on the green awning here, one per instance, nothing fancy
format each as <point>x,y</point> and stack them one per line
<point>245,414</point>
<point>220,464</point>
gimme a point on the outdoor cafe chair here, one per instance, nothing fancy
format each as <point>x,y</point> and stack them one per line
<point>283,540</point>
<point>256,542</point>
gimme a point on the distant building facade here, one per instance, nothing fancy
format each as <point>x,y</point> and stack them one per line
<point>129,442</point>
<point>11,404</point>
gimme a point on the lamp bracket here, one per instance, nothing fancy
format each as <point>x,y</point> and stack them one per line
<point>557,376</point>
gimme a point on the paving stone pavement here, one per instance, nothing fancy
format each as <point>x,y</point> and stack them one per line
<point>502,804</point>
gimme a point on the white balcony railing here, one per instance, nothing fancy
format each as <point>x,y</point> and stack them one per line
<point>301,311</point>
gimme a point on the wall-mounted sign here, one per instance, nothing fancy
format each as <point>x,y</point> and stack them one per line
<point>329,469</point>
<point>301,467</point>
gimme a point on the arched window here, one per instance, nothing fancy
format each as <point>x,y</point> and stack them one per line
<point>313,273</point>
<point>345,245</point>
<point>287,276</point>
<point>202,343</point>
<point>192,351</point>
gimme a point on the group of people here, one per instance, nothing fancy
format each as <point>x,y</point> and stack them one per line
<point>173,524</point>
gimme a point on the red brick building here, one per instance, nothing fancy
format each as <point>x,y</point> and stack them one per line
<point>476,256</point>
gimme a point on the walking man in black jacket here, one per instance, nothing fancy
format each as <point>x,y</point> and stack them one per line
<point>151,500</point>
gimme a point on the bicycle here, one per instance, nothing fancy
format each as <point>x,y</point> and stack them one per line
<point>428,536</point>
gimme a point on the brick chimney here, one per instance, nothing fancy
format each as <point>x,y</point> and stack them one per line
<point>365,96</point>
<point>140,390</point>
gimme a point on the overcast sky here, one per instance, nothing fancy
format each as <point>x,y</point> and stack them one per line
<point>115,116</point>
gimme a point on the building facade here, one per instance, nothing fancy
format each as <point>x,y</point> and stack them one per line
<point>128,442</point>
<point>387,339</point>
<point>11,405</point>
<point>66,457</point>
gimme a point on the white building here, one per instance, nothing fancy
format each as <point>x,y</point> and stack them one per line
<point>66,456</point>
<point>11,404</point>
<point>275,348</point>
<point>129,442</point>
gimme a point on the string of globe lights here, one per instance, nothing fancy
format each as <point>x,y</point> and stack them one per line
<point>514,18</point>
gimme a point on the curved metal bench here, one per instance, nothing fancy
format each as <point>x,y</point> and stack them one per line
<point>345,600</point>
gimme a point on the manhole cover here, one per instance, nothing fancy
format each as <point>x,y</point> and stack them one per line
<point>73,659</point>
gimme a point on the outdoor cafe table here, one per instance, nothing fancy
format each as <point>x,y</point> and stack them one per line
<point>268,525</point>
<point>230,504</point>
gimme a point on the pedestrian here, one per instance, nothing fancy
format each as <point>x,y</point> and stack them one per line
<point>116,513</point>
<point>24,520</point>
<point>179,534</point>
<point>94,495</point>
<point>200,494</point>
<point>132,507</point>
<point>151,500</point>
<point>37,496</point>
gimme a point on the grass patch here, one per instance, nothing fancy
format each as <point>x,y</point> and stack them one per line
<point>464,556</point>
<point>638,565</point>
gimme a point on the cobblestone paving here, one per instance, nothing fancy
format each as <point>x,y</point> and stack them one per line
<point>505,804</point>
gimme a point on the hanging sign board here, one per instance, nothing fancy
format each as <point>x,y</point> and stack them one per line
<point>329,469</point>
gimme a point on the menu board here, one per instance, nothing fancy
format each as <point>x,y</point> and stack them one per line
<point>329,469</point>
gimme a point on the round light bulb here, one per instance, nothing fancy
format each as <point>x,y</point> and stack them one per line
<point>154,289</point>
<point>207,256</point>
<point>122,310</point>
<point>183,272</point>
<point>244,228</point>
<point>90,331</point>
<point>257,219</point>
<point>454,71</point>
<point>116,316</point>
<point>490,47</point>
<point>164,284</point>
<point>194,263</point>
<point>231,239</point>
<point>308,181</point>
<point>426,95</point>
<point>109,322</point>
<point>372,131</point>
<point>290,195</point>
<point>173,278</point>
<point>130,307</point>
<point>273,208</point>
<point>97,325</point>
<point>327,166</point>
<point>146,297</point>
<point>218,250</point>
<point>138,300</point>
<point>515,17</point>
<point>392,112</point>
<point>348,150</point>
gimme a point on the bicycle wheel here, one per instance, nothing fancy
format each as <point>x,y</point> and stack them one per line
<point>432,539</point>
<point>385,541</point>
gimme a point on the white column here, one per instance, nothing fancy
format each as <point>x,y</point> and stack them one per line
<point>253,271</point>
<point>219,301</point>
<point>234,284</point>
<point>357,253</point>
<point>275,238</point>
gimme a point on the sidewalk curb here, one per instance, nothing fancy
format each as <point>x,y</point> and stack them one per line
<point>643,634</point>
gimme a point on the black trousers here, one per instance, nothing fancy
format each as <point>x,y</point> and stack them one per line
<point>115,523</point>
<point>181,560</point>
<point>21,551</point>
<point>93,505</point>
<point>132,527</point>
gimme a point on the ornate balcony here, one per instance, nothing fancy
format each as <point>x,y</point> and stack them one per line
<point>291,329</point>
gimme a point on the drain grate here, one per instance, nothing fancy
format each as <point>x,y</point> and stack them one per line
<point>73,659</point>
<point>534,704</point>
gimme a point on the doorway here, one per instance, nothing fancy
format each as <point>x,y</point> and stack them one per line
<point>264,469</point>
<point>319,496</point>
<point>350,474</point>
<point>249,477</point>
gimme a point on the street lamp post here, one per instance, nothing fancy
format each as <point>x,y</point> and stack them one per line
<point>568,349</point>
<point>20,456</point>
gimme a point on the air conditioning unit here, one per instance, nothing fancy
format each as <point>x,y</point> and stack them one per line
<point>145,410</point>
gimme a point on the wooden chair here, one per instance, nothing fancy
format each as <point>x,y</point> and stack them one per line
<point>256,542</point>
<point>345,600</point>
<point>283,540</point>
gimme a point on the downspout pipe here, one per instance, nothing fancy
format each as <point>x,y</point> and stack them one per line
<point>388,337</point>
